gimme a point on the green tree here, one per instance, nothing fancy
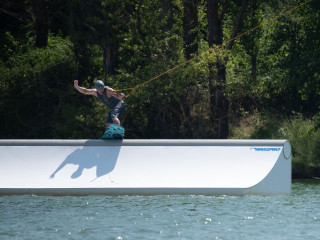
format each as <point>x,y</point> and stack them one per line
<point>219,104</point>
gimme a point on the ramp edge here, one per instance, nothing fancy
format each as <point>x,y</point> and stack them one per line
<point>140,142</point>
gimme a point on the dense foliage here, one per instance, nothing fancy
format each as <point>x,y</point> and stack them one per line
<point>270,74</point>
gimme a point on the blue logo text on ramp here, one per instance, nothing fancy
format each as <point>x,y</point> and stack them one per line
<point>262,149</point>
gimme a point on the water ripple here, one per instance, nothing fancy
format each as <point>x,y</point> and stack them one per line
<point>163,217</point>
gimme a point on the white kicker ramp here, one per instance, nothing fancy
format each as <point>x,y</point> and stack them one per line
<point>145,167</point>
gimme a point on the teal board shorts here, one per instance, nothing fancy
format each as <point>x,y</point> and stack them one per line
<point>116,111</point>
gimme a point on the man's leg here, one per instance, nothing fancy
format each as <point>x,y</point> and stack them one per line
<point>109,120</point>
<point>116,113</point>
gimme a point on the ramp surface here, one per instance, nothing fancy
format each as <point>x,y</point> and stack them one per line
<point>145,167</point>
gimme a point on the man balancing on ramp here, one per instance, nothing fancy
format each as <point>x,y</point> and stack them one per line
<point>111,99</point>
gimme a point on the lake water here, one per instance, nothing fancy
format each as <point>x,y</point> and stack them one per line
<point>295,216</point>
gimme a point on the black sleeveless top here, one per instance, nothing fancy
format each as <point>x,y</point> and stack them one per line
<point>109,102</point>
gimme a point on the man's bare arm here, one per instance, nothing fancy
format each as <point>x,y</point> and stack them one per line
<point>84,90</point>
<point>115,94</point>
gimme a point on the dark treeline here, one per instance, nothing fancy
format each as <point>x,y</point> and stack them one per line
<point>258,86</point>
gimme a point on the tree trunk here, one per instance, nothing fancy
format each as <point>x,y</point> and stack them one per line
<point>40,22</point>
<point>190,37</point>
<point>190,23</point>
<point>219,105</point>
<point>237,23</point>
<point>79,40</point>
<point>109,51</point>
<point>109,60</point>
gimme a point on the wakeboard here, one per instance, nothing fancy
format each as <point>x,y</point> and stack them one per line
<point>114,132</point>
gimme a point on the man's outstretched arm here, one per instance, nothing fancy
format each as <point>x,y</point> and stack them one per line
<point>84,90</point>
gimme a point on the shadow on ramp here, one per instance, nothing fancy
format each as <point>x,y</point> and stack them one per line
<point>104,159</point>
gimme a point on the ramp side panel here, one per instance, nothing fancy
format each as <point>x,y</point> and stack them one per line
<point>114,169</point>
